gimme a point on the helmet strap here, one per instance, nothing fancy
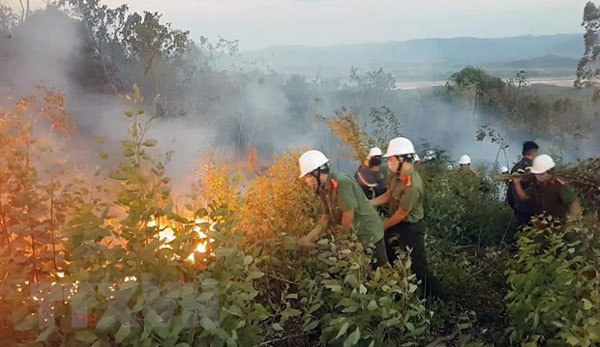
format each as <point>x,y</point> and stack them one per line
<point>317,175</point>
<point>399,168</point>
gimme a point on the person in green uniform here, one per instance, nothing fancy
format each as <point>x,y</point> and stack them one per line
<point>548,194</point>
<point>405,227</point>
<point>343,202</point>
<point>464,165</point>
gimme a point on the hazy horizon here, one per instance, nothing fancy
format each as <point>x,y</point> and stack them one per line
<point>407,40</point>
<point>268,23</point>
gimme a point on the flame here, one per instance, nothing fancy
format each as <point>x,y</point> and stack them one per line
<point>201,248</point>
<point>167,235</point>
<point>199,231</point>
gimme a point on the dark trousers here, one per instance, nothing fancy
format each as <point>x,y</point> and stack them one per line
<point>411,235</point>
<point>523,218</point>
<point>380,257</point>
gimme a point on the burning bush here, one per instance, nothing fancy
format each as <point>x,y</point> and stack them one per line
<point>123,265</point>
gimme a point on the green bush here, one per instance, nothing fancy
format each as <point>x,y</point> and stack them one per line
<point>464,208</point>
<point>554,283</point>
<point>352,305</point>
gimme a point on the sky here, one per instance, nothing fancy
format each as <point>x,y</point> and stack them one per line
<point>264,23</point>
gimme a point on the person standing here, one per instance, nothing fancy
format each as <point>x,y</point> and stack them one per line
<point>405,228</point>
<point>523,209</point>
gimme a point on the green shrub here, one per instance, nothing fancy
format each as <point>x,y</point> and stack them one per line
<point>464,208</point>
<point>555,284</point>
<point>352,305</point>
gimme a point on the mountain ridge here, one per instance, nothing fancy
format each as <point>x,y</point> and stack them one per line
<point>424,55</point>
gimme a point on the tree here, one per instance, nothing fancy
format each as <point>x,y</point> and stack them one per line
<point>140,48</point>
<point>517,87</point>
<point>386,125</point>
<point>475,85</point>
<point>373,84</point>
<point>7,19</point>
<point>587,70</point>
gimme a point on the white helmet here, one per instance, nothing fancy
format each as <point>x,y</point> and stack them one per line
<point>430,155</point>
<point>374,152</point>
<point>449,167</point>
<point>504,170</point>
<point>541,164</point>
<point>399,146</point>
<point>416,158</point>
<point>310,161</point>
<point>465,160</point>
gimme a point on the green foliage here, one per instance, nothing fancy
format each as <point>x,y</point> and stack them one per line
<point>352,305</point>
<point>474,78</point>
<point>555,284</point>
<point>386,126</point>
<point>486,131</point>
<point>463,208</point>
<point>587,74</point>
<point>141,38</point>
<point>470,274</point>
<point>126,46</point>
<point>517,104</point>
<point>376,79</point>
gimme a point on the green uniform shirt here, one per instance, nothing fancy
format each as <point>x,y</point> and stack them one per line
<point>553,198</point>
<point>408,193</point>
<point>344,194</point>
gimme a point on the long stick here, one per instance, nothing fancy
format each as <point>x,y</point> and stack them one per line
<point>566,178</point>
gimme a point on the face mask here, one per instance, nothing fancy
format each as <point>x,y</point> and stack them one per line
<point>394,165</point>
<point>400,163</point>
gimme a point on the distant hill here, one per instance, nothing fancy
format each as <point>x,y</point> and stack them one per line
<point>547,61</point>
<point>428,55</point>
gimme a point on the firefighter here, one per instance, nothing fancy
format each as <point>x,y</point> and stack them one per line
<point>430,155</point>
<point>405,228</point>
<point>548,194</point>
<point>343,203</point>
<point>464,164</point>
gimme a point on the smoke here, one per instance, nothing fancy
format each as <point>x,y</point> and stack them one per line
<point>43,52</point>
<point>229,112</point>
<point>234,110</point>
<point>49,50</point>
